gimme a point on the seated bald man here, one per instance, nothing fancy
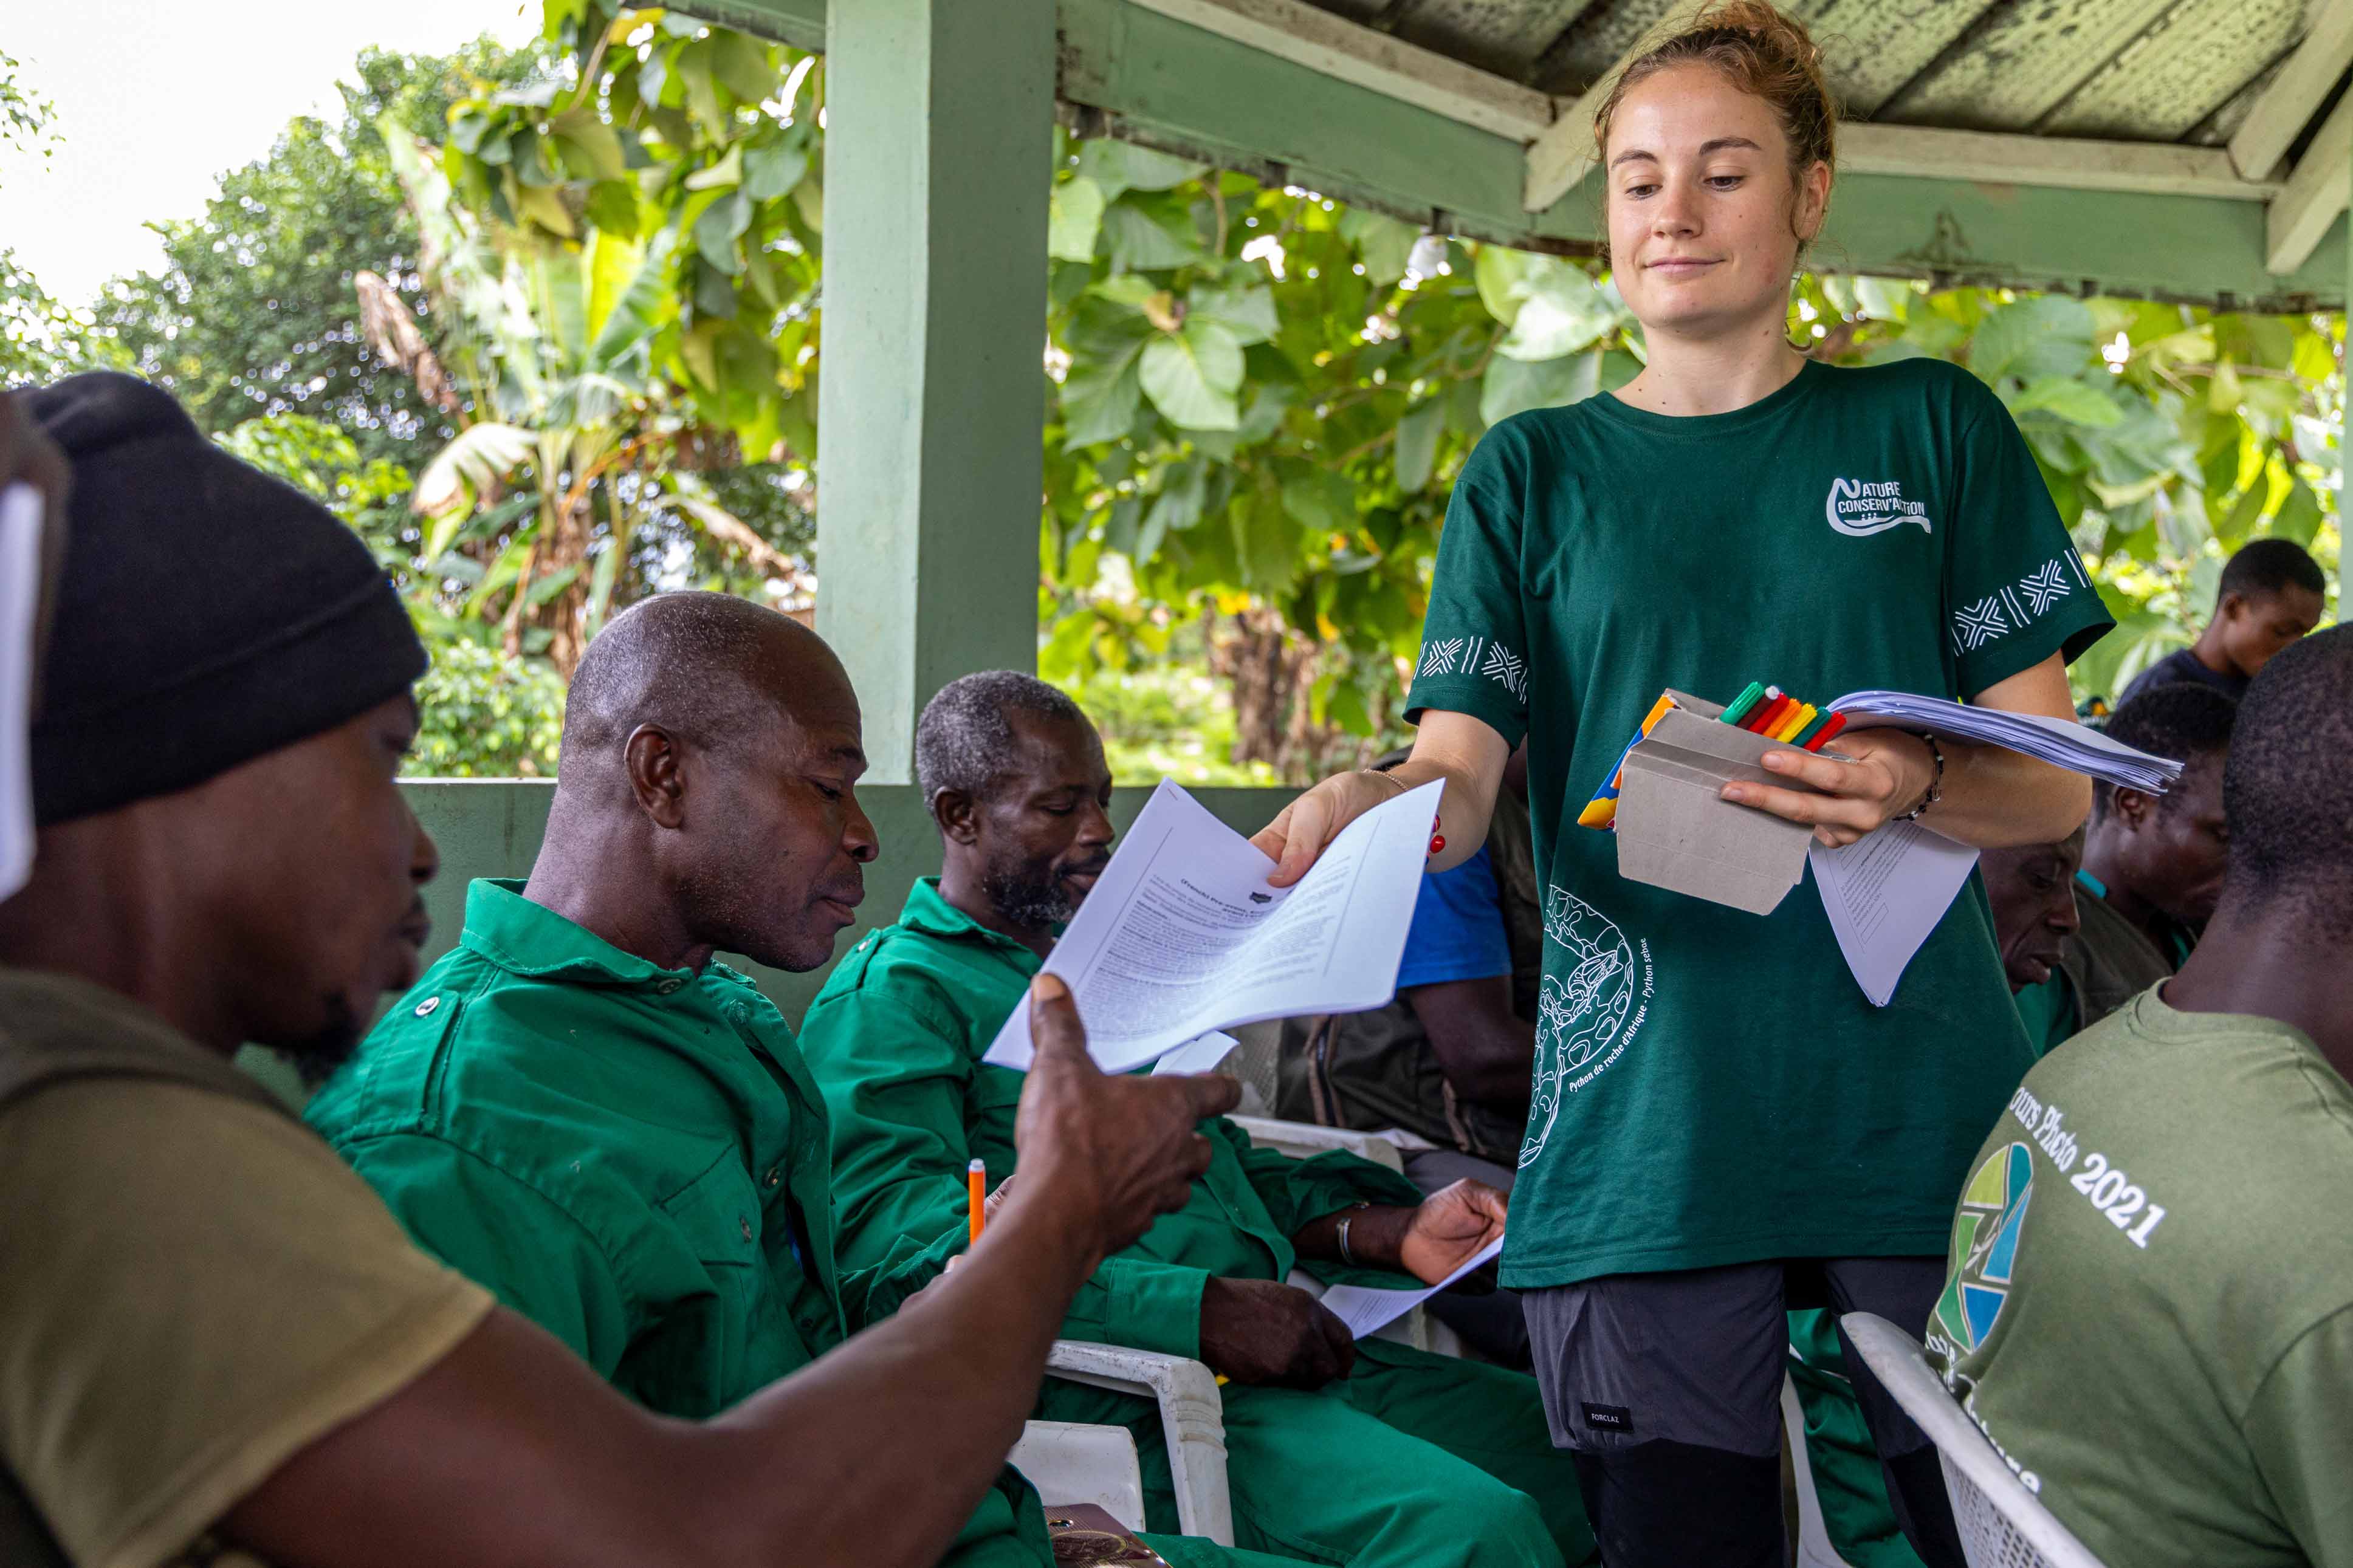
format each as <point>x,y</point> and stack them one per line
<point>578,1108</point>
<point>215,1346</point>
<point>1366,1453</point>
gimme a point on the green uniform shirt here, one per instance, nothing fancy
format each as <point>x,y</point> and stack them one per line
<point>2150,1310</point>
<point>632,1157</point>
<point>895,1040</point>
<point>2048,1012</point>
<point>1711,1086</point>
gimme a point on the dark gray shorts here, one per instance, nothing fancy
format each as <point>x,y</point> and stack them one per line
<point>1697,1356</point>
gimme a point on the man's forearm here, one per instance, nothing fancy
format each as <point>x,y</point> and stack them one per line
<point>1376,1237</point>
<point>511,1449</point>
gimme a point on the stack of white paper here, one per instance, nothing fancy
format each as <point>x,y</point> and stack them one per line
<point>2060,741</point>
<point>1182,933</point>
<point>20,594</point>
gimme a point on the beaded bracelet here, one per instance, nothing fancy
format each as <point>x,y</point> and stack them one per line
<point>1936,784</point>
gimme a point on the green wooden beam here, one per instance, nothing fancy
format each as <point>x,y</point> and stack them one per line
<point>938,149</point>
<point>1135,73</point>
<point>491,827</point>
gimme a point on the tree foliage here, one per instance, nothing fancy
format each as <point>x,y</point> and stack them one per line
<point>256,310</point>
<point>546,325</point>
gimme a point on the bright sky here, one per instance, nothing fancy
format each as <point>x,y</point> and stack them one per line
<point>156,97</point>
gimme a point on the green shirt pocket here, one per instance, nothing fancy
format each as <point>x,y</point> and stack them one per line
<point>703,1306</point>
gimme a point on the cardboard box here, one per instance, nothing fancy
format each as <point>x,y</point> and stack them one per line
<point>1675,831</point>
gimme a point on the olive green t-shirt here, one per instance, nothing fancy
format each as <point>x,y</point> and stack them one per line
<point>192,1290</point>
<point>2150,1304</point>
<point>1712,1086</point>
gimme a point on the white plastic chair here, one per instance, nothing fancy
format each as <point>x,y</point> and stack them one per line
<point>2002,1525</point>
<point>1305,1140</point>
<point>1072,1463</point>
<point>1192,1417</point>
<point>1814,1548</point>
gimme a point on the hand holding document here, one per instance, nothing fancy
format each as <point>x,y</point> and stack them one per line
<point>1366,1309</point>
<point>1182,933</point>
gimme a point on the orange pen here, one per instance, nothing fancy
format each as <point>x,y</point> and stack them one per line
<point>976,1186</point>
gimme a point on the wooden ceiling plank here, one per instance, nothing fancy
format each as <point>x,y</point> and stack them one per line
<point>1871,48</point>
<point>2287,106</point>
<point>2023,62</point>
<point>2188,64</point>
<point>1994,157</point>
<point>1564,154</point>
<point>1337,48</point>
<point>2307,206</point>
<point>1504,35</point>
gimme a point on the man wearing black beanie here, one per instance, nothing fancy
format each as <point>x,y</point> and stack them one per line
<point>212,1333</point>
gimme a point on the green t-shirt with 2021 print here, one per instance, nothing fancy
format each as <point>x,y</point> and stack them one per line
<point>1712,1086</point>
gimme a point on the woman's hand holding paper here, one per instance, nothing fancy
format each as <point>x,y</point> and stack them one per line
<point>1890,773</point>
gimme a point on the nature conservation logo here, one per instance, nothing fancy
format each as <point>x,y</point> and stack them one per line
<point>1860,508</point>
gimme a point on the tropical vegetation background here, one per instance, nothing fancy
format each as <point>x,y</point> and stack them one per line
<point>545,326</point>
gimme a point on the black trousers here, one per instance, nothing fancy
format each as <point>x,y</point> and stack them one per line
<point>1667,1387</point>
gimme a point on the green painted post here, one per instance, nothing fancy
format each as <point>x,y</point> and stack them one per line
<point>939,127</point>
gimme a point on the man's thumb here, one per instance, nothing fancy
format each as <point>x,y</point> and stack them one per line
<point>1054,1026</point>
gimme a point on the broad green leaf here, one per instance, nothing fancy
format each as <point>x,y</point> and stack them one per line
<point>1416,444</point>
<point>1501,277</point>
<point>592,140</point>
<point>725,175</point>
<point>1884,298</point>
<point>1514,386</point>
<point>2299,516</point>
<point>723,223</point>
<point>770,171</point>
<point>1383,243</point>
<point>2075,401</point>
<point>642,307</point>
<point>1074,217</point>
<point>1323,501</point>
<point>2241,519</point>
<point>1268,545</point>
<point>1118,166</point>
<point>1560,312</point>
<point>742,63</point>
<point>1101,408</point>
<point>543,206</point>
<point>1191,376</point>
<point>1126,289</point>
<point>2223,392</point>
<point>2033,338</point>
<point>808,200</point>
<point>1139,241</point>
<point>477,457</point>
<point>1248,312</point>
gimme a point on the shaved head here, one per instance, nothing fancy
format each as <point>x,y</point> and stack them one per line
<point>712,670</point>
<point>704,798</point>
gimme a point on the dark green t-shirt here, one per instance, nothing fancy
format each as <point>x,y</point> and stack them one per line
<point>1712,1086</point>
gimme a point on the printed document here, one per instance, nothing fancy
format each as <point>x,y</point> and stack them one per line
<point>1206,1053</point>
<point>1182,933</point>
<point>20,593</point>
<point>1884,893</point>
<point>1366,1309</point>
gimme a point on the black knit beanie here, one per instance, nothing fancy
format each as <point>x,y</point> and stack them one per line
<point>208,613</point>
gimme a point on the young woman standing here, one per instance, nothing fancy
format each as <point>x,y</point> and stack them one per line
<point>1724,1126</point>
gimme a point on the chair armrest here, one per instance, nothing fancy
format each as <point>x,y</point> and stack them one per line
<point>1301,1140</point>
<point>1192,1417</point>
